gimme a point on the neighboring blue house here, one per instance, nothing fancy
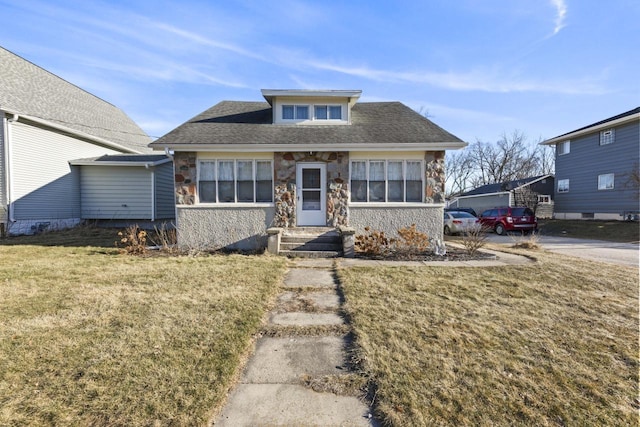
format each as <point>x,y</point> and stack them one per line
<point>597,168</point>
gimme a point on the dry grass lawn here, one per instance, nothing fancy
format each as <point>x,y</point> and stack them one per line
<point>550,343</point>
<point>92,337</point>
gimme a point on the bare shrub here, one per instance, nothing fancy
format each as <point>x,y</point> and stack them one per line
<point>411,241</point>
<point>373,242</point>
<point>164,237</point>
<point>529,242</point>
<point>133,240</point>
<point>475,238</point>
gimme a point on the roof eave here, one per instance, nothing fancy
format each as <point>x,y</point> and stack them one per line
<point>93,162</point>
<point>578,133</point>
<point>435,146</point>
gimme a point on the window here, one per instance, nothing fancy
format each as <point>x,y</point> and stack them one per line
<point>605,181</point>
<point>563,148</point>
<point>563,186</point>
<point>386,180</point>
<point>607,137</point>
<point>295,112</point>
<point>544,199</point>
<point>328,112</point>
<point>235,181</point>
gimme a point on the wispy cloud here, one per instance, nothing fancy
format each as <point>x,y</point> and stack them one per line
<point>484,80</point>
<point>561,15</point>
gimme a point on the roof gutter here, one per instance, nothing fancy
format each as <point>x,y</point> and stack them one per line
<point>607,125</point>
<point>263,148</point>
<point>75,132</point>
<point>92,162</point>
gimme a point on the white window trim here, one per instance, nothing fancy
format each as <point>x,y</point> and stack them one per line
<point>604,140</point>
<point>295,112</point>
<point>544,199</point>
<point>236,203</point>
<point>568,185</point>
<point>386,183</point>
<point>601,177</point>
<point>328,106</point>
<point>566,144</point>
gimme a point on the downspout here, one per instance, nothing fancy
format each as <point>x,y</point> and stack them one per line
<point>169,154</point>
<point>7,162</point>
<point>153,192</point>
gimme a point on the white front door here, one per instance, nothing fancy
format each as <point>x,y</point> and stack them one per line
<point>311,191</point>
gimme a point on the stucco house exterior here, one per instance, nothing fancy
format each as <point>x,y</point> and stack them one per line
<point>597,169</point>
<point>45,124</point>
<point>305,158</point>
<point>534,192</point>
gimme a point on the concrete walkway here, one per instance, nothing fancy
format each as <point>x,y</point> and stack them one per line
<point>308,342</point>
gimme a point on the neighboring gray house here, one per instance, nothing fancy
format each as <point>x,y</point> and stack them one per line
<point>535,192</point>
<point>46,122</point>
<point>126,187</point>
<point>597,169</point>
<point>305,158</point>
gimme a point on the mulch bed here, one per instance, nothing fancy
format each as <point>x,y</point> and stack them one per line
<point>453,254</point>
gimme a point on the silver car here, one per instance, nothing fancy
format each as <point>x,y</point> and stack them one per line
<point>459,222</point>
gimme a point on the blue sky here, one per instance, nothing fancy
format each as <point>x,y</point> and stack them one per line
<point>479,68</point>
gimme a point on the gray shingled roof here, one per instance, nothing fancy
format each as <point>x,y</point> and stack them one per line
<point>502,186</point>
<point>235,122</point>
<point>29,90</point>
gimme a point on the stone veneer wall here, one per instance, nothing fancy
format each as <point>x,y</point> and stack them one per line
<point>435,177</point>
<point>337,186</point>
<point>186,177</point>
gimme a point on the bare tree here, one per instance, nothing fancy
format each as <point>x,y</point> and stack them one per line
<point>510,158</point>
<point>459,171</point>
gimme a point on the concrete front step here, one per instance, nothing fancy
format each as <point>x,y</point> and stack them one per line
<point>311,254</point>
<point>310,246</point>
<point>311,231</point>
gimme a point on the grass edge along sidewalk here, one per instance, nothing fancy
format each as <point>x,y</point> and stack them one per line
<point>548,343</point>
<point>91,337</point>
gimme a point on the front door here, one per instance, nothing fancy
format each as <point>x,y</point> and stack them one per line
<point>311,190</point>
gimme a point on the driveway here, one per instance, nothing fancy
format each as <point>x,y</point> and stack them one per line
<point>597,250</point>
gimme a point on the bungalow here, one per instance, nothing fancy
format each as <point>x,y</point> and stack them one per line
<point>47,123</point>
<point>305,158</point>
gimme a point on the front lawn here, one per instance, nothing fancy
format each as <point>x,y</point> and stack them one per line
<point>92,337</point>
<point>550,343</point>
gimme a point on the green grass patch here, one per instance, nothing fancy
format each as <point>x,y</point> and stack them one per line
<point>92,337</point>
<point>549,343</point>
<point>613,231</point>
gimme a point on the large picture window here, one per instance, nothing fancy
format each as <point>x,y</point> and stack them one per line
<point>235,181</point>
<point>387,180</point>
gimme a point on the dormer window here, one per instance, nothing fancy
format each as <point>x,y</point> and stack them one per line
<point>328,112</point>
<point>295,112</point>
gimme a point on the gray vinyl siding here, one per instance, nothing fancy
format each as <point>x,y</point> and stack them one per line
<point>165,193</point>
<point>586,160</point>
<point>116,192</point>
<point>45,186</point>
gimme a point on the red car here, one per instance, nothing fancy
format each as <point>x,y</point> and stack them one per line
<point>505,219</point>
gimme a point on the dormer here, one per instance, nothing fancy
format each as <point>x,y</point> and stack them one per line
<point>311,107</point>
